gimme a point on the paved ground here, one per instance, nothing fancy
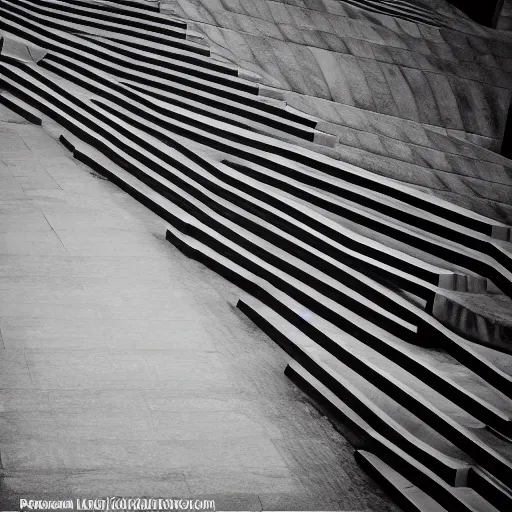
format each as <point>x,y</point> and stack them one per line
<point>123,369</point>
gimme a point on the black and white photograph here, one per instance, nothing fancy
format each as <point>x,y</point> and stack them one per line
<point>256,255</point>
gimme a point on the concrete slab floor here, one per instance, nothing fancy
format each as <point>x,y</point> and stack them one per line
<point>123,368</point>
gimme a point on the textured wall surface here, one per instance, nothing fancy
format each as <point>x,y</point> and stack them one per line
<point>404,97</point>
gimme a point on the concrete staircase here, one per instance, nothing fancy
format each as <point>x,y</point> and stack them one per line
<point>257,192</point>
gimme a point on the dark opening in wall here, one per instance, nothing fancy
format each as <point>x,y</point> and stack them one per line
<point>506,145</point>
<point>485,12</point>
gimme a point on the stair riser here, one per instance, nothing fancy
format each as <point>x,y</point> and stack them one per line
<point>425,276</point>
<point>313,305</point>
<point>398,214</point>
<point>29,116</point>
<point>494,495</point>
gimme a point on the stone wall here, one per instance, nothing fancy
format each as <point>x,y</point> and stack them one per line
<point>419,93</point>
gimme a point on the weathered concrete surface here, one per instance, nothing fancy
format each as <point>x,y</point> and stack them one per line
<point>124,371</point>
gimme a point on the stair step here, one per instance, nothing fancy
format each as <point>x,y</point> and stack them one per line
<point>24,17</point>
<point>118,10</point>
<point>163,56</point>
<point>20,107</point>
<point>79,17</point>
<point>452,498</point>
<point>402,491</point>
<point>251,119</point>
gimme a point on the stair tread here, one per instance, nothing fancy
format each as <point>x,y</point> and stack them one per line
<point>410,492</point>
<point>26,106</point>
